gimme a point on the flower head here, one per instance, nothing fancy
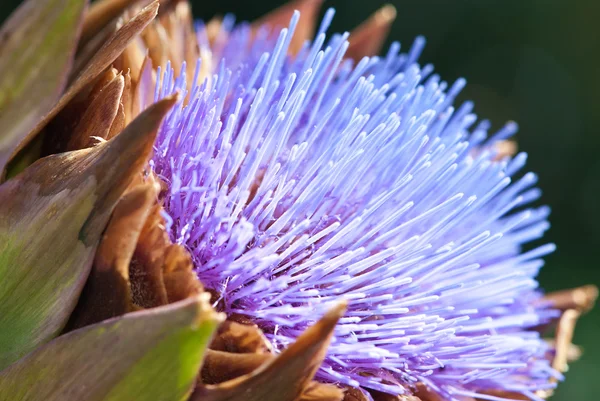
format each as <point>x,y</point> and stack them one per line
<point>296,180</point>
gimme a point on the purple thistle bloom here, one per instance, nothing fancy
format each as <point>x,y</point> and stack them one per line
<point>296,181</point>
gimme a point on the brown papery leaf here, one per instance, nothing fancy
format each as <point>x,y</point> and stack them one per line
<point>357,394</point>
<point>103,12</point>
<point>178,275</point>
<point>183,43</point>
<point>156,40</point>
<point>123,117</point>
<point>220,366</point>
<point>564,338</point>
<point>105,56</point>
<point>145,272</point>
<point>160,272</point>
<point>118,123</point>
<point>87,50</point>
<point>427,394</point>
<point>322,392</point>
<point>60,131</point>
<point>280,17</point>
<point>368,38</point>
<point>240,338</point>
<point>99,116</point>
<point>127,99</point>
<point>574,352</point>
<point>107,293</point>
<point>581,299</point>
<point>100,14</point>
<point>132,58</point>
<point>287,376</point>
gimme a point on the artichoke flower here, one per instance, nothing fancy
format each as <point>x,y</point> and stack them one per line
<point>259,211</point>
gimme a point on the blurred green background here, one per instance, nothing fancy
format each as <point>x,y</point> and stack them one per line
<point>533,61</point>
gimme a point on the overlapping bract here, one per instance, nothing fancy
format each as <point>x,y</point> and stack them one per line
<point>298,180</point>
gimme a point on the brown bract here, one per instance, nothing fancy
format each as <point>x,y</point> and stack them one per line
<point>284,378</point>
<point>280,18</point>
<point>581,299</point>
<point>357,394</point>
<point>240,338</point>
<point>160,272</point>
<point>107,293</point>
<point>100,14</point>
<point>109,51</point>
<point>221,366</point>
<point>239,349</point>
<point>368,38</point>
<point>104,12</point>
<point>564,338</point>
<point>136,266</point>
<point>316,391</point>
<point>98,119</point>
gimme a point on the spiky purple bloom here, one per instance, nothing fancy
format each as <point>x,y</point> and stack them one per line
<point>297,181</point>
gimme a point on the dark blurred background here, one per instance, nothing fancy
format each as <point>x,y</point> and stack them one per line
<point>533,61</point>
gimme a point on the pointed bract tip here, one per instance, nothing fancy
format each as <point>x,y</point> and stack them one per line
<point>386,14</point>
<point>586,297</point>
<point>150,119</point>
<point>152,8</point>
<point>582,299</point>
<point>330,319</point>
<point>305,6</point>
<point>338,310</point>
<point>368,38</point>
<point>280,17</point>
<point>204,310</point>
<point>198,308</point>
<point>591,295</point>
<point>312,4</point>
<point>118,160</point>
<point>308,9</point>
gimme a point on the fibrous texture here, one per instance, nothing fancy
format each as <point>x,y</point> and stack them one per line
<point>295,181</point>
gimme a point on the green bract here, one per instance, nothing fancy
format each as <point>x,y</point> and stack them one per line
<point>51,219</point>
<point>144,356</point>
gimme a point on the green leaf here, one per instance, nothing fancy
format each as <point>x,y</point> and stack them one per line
<point>145,356</point>
<point>51,219</point>
<point>37,46</point>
